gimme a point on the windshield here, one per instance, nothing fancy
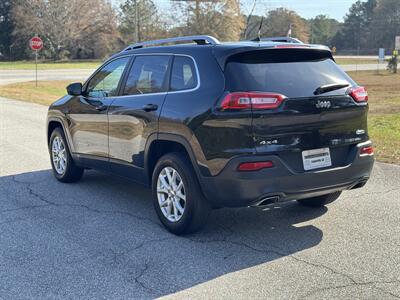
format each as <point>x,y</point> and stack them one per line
<point>292,79</point>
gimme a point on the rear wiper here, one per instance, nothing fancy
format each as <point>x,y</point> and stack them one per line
<point>329,88</point>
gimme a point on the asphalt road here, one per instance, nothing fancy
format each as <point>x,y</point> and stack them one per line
<point>100,238</point>
<point>13,76</point>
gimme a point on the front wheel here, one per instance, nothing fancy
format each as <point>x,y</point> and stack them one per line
<point>177,198</point>
<point>320,200</point>
<point>64,168</point>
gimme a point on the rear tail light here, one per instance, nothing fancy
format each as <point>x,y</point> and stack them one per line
<point>287,46</point>
<point>359,94</point>
<point>367,151</point>
<point>255,166</point>
<point>251,100</point>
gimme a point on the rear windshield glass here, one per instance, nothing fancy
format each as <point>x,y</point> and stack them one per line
<point>292,79</point>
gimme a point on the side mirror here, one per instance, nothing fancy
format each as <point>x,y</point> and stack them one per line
<point>74,89</point>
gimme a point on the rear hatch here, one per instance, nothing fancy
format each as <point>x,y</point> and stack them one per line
<point>305,109</point>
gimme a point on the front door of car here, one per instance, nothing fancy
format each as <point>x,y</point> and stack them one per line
<point>133,116</point>
<point>88,112</point>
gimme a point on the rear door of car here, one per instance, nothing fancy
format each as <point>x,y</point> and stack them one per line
<point>302,109</point>
<point>133,116</point>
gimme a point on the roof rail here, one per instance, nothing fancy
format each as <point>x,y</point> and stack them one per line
<point>283,39</point>
<point>198,39</point>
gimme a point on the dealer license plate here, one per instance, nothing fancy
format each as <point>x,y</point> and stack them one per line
<point>316,158</point>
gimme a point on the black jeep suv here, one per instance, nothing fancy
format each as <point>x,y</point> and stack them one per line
<point>208,124</point>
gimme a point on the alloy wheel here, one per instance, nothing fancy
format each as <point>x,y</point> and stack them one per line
<point>58,154</point>
<point>171,194</point>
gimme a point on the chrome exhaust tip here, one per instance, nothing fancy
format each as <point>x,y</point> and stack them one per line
<point>266,201</point>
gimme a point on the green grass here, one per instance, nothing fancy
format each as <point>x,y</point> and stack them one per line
<point>384,112</point>
<point>48,65</point>
<point>385,134</point>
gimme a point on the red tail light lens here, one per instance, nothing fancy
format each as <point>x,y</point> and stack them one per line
<point>247,100</point>
<point>255,166</point>
<point>285,46</point>
<point>359,94</point>
<point>368,150</point>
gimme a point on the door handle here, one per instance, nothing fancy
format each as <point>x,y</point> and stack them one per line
<point>101,107</point>
<point>150,107</point>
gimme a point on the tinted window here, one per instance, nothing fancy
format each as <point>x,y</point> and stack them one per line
<point>183,75</point>
<point>292,79</point>
<point>105,82</point>
<point>147,75</point>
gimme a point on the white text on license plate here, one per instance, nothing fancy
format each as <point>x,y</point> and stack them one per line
<point>316,158</point>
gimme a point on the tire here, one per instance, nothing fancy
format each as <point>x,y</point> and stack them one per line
<point>320,200</point>
<point>70,172</point>
<point>195,207</point>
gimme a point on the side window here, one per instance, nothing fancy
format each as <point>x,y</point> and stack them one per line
<point>184,75</point>
<point>147,75</point>
<point>105,82</point>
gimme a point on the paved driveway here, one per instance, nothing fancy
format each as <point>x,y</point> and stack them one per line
<point>100,238</point>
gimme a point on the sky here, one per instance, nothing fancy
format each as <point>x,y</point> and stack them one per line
<point>336,9</point>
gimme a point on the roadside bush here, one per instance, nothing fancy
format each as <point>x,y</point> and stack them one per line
<point>392,65</point>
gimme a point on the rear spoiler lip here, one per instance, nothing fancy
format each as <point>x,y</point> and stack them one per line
<point>222,56</point>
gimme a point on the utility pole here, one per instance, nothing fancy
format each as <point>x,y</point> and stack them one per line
<point>136,21</point>
<point>197,11</point>
<point>249,18</point>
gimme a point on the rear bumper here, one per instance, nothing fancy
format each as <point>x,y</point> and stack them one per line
<point>231,188</point>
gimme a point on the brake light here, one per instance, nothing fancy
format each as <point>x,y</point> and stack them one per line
<point>286,46</point>
<point>255,166</point>
<point>359,94</point>
<point>367,151</point>
<point>253,100</point>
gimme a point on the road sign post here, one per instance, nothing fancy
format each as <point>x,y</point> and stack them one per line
<point>36,44</point>
<point>381,58</point>
<point>397,42</point>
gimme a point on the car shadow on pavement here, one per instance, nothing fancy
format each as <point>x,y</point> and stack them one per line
<point>101,238</point>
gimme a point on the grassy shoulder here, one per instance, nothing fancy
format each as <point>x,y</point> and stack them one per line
<point>384,131</point>
<point>384,112</point>
<point>356,61</point>
<point>384,103</point>
<point>45,93</point>
<point>49,65</point>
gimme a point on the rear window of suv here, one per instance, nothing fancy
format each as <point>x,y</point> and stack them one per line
<point>292,73</point>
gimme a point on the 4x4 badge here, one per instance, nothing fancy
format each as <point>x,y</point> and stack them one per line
<point>323,104</point>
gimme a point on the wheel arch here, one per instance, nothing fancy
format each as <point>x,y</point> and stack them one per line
<point>163,143</point>
<point>53,123</point>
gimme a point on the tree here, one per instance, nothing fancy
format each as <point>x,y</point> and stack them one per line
<point>277,23</point>
<point>220,18</point>
<point>355,33</point>
<point>6,28</point>
<point>323,29</point>
<point>148,23</point>
<point>74,28</point>
<point>385,23</point>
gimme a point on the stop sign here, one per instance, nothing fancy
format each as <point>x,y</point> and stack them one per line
<point>36,43</point>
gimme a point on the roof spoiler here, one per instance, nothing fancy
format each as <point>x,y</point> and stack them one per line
<point>223,55</point>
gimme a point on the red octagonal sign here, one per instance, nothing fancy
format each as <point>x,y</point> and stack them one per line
<point>36,43</point>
